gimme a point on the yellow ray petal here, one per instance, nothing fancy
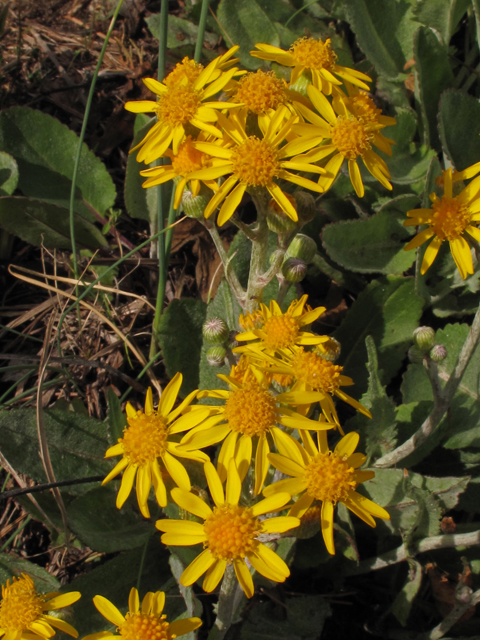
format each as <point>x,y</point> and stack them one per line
<point>108,610</point>
<point>327,525</point>
<point>191,503</point>
<point>126,485</point>
<point>231,203</point>
<point>272,503</point>
<point>176,471</point>
<point>214,484</point>
<point>182,627</point>
<point>244,577</point>
<point>195,569</point>
<point>430,254</point>
<point>214,575</point>
<point>169,395</point>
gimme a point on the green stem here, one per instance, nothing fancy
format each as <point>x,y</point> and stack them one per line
<point>283,290</point>
<point>172,213</point>
<point>14,535</point>
<point>259,256</point>
<point>230,599</point>
<point>201,30</point>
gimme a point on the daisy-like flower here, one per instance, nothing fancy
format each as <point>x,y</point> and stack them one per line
<point>279,330</point>
<point>187,160</point>
<point>327,476</point>
<point>450,218</point>
<point>344,135</point>
<point>148,439</point>
<point>251,413</point>
<point>229,533</point>
<point>24,611</point>
<point>316,58</point>
<point>260,91</point>
<point>182,101</point>
<point>249,161</point>
<point>314,375</point>
<point>146,621</point>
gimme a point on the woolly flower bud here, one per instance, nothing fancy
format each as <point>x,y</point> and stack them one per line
<point>438,353</point>
<point>424,338</point>
<point>329,350</point>
<point>294,269</point>
<point>216,356</point>
<point>277,220</point>
<point>305,206</point>
<point>215,330</point>
<point>302,247</point>
<point>194,206</point>
<point>415,355</point>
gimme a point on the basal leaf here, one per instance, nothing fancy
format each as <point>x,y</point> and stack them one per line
<point>441,15</point>
<point>459,128</point>
<point>11,566</point>
<point>8,174</point>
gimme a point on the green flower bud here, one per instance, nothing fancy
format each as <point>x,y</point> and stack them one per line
<point>306,206</point>
<point>294,269</point>
<point>302,247</point>
<point>301,85</point>
<point>194,206</point>
<point>438,353</point>
<point>216,356</point>
<point>424,338</point>
<point>415,355</point>
<point>215,330</point>
<point>329,350</point>
<point>277,220</point>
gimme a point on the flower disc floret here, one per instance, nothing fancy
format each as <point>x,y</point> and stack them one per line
<point>450,218</point>
<point>251,409</point>
<point>231,531</point>
<point>186,69</point>
<point>178,105</point>
<point>281,332</point>
<point>20,606</point>
<point>313,54</point>
<point>255,162</point>
<point>146,626</point>
<point>319,373</point>
<point>261,91</point>
<point>188,159</point>
<point>329,478</point>
<point>350,137</point>
<point>144,440</point>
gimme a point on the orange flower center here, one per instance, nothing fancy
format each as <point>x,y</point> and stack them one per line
<point>186,69</point>
<point>20,606</point>
<point>255,162</point>
<point>450,218</point>
<point>250,410</point>
<point>178,105</point>
<point>365,109</point>
<point>281,332</point>
<point>317,372</point>
<point>261,91</point>
<point>188,159</point>
<point>350,137</point>
<point>313,54</point>
<point>145,438</point>
<point>329,477</point>
<point>231,532</point>
<point>145,626</point>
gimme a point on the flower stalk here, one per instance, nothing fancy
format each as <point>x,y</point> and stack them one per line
<point>231,598</point>
<point>256,282</point>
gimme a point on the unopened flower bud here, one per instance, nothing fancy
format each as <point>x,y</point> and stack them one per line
<point>215,330</point>
<point>277,220</point>
<point>415,355</point>
<point>194,206</point>
<point>424,338</point>
<point>302,247</point>
<point>216,356</point>
<point>301,85</point>
<point>305,206</point>
<point>329,350</point>
<point>438,353</point>
<point>294,269</point>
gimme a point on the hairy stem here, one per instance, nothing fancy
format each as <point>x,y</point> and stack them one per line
<point>259,256</point>
<point>230,599</point>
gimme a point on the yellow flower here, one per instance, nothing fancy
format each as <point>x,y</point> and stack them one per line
<point>251,413</point>
<point>142,623</point>
<point>182,102</point>
<point>317,58</point>
<point>24,612</point>
<point>260,92</point>
<point>148,438</point>
<point>344,135</point>
<point>230,533</point>
<point>187,160</point>
<point>278,330</point>
<point>254,162</point>
<point>450,218</point>
<point>314,376</point>
<point>327,476</point>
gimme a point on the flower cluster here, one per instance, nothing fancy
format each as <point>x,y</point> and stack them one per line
<point>267,132</point>
<point>280,394</point>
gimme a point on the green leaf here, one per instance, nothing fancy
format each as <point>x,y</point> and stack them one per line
<point>459,128</point>
<point>180,338</point>
<point>98,523</point>
<point>180,32</point>
<point>389,311</point>
<point>376,244</point>
<point>45,151</point>
<point>297,618</point>
<point>8,174</point>
<point>441,15</point>
<point>10,567</point>
<point>384,30</point>
<point>246,23</point>
<point>434,75</point>
<point>402,604</point>
<point>76,444</point>
<point>380,432</point>
<point>42,223</point>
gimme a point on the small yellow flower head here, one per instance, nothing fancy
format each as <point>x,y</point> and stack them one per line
<point>23,611</point>
<point>187,69</point>
<point>351,138</point>
<point>329,477</point>
<point>365,108</point>
<point>320,374</point>
<point>313,54</point>
<point>261,91</point>
<point>188,158</point>
<point>231,532</point>
<point>146,622</point>
<point>251,410</point>
<point>450,218</point>
<point>256,162</point>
